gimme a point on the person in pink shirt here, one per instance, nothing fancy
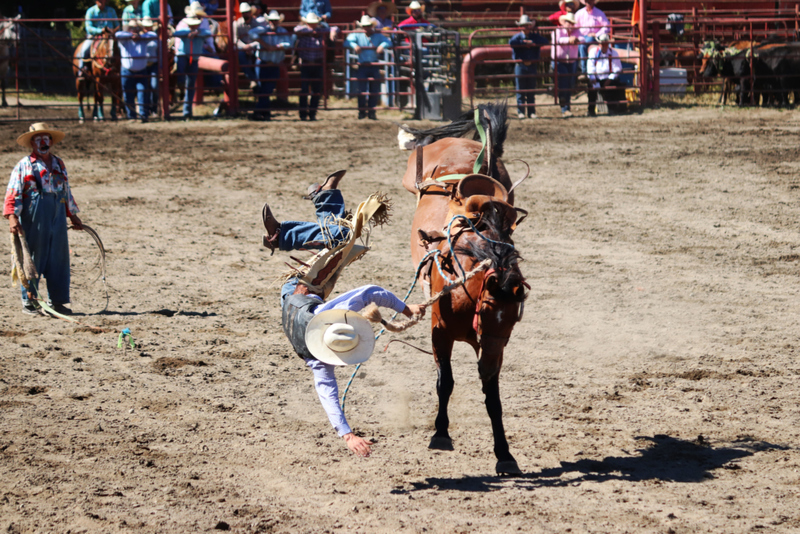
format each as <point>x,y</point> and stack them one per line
<point>566,39</point>
<point>591,23</point>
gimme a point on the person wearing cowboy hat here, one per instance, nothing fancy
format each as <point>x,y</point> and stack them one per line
<point>368,45</point>
<point>382,13</point>
<point>310,46</point>
<point>564,7</point>
<point>416,16</point>
<point>152,9</point>
<point>591,23</point>
<point>244,43</point>
<point>134,71</point>
<point>321,8</point>
<point>38,202</point>
<point>566,39</point>
<point>274,41</point>
<point>525,47</point>
<point>100,19</point>
<point>331,333</point>
<point>604,68</point>
<point>190,41</point>
<point>133,11</point>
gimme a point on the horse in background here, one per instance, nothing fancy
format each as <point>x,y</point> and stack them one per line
<point>463,224</point>
<point>8,36</point>
<point>104,74</point>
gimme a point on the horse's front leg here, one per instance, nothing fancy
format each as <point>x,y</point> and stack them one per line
<point>489,369</point>
<point>98,100</point>
<point>442,350</point>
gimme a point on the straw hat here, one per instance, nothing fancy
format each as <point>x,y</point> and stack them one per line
<point>605,38</point>
<point>311,18</point>
<point>372,9</point>
<point>273,15</point>
<point>197,8</point>
<point>146,22</point>
<point>40,128</point>
<point>244,7</point>
<point>525,20</point>
<point>414,6</point>
<point>340,337</point>
<point>366,20</point>
<point>569,17</point>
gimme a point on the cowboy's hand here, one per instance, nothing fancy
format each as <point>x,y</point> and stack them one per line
<point>379,50</point>
<point>356,49</point>
<point>358,445</point>
<point>417,309</point>
<point>76,222</point>
<point>13,224</point>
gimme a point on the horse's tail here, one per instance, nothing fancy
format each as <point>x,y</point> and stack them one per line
<point>493,114</point>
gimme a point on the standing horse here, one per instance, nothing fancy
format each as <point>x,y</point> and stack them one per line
<point>104,75</point>
<point>483,311</point>
<point>8,36</point>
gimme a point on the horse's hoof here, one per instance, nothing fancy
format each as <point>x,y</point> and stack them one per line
<point>507,467</point>
<point>442,444</point>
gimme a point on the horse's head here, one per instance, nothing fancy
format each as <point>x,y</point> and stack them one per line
<point>104,52</point>
<point>8,29</point>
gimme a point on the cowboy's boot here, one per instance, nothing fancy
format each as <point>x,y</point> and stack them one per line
<point>273,227</point>
<point>331,182</point>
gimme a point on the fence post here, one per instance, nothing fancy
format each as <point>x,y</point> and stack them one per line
<point>644,78</point>
<point>164,37</point>
<point>16,65</point>
<point>233,60</point>
<point>656,96</point>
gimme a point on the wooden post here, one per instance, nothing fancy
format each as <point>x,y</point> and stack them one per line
<point>644,71</point>
<point>656,95</point>
<point>164,60</point>
<point>233,60</point>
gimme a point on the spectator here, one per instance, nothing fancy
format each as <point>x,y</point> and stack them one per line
<point>152,9</point>
<point>195,10</point>
<point>310,49</point>
<point>134,72</point>
<point>565,55</point>
<point>591,23</point>
<point>37,204</point>
<point>132,11</point>
<point>322,8</point>
<point>245,44</point>
<point>564,7</point>
<point>416,16</point>
<point>273,42</point>
<point>525,47</point>
<point>604,68</point>
<point>382,12</point>
<point>189,42</point>
<point>210,6</point>
<point>258,13</point>
<point>97,23</point>
<point>369,45</point>
<point>153,59</point>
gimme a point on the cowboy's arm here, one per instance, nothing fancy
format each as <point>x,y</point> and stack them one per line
<point>91,27</point>
<point>12,205</point>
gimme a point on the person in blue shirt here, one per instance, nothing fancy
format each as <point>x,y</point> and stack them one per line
<point>134,69</point>
<point>189,41</point>
<point>525,47</point>
<point>152,9</point>
<point>96,26</point>
<point>209,6</point>
<point>273,42</point>
<point>322,8</point>
<point>369,45</point>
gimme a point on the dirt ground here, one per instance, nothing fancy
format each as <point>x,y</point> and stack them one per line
<point>650,387</point>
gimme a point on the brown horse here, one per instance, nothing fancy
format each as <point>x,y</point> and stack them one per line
<point>104,75</point>
<point>483,311</point>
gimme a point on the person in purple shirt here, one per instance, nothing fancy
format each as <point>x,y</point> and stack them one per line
<point>300,305</point>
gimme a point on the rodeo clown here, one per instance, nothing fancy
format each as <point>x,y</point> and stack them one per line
<point>331,333</point>
<point>37,204</point>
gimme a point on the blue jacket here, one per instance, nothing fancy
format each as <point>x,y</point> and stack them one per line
<point>523,51</point>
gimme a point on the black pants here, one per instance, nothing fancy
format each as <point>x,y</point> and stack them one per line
<point>613,92</point>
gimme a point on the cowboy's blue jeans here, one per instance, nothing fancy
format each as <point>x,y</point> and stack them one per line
<point>294,235</point>
<point>247,65</point>
<point>373,87</point>
<point>136,84</point>
<point>566,81</point>
<point>525,83</point>
<point>310,85</point>
<point>44,220</point>
<point>187,70</point>
<point>267,75</point>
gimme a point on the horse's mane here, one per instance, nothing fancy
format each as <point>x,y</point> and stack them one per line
<point>505,259</point>
<point>465,124</point>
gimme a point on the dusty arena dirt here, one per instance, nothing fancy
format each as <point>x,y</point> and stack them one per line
<point>652,385</point>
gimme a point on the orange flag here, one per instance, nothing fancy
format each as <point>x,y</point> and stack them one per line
<point>635,13</point>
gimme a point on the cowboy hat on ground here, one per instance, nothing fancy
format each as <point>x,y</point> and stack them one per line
<point>415,6</point>
<point>340,337</point>
<point>372,9</point>
<point>311,18</point>
<point>40,128</point>
<point>366,20</point>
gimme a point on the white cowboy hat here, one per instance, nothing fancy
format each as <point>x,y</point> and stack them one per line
<point>366,20</point>
<point>41,128</point>
<point>525,20</point>
<point>311,18</point>
<point>372,9</point>
<point>604,38</point>
<point>244,7</point>
<point>197,9</point>
<point>134,23</point>
<point>191,21</point>
<point>146,22</point>
<point>569,17</point>
<point>413,6</point>
<point>273,15</point>
<point>340,337</point>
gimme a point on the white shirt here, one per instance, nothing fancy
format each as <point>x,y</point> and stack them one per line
<point>598,67</point>
<point>324,377</point>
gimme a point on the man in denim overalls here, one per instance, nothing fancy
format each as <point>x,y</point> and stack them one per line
<point>38,201</point>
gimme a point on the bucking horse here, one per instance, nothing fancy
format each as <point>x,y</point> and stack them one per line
<point>461,237</point>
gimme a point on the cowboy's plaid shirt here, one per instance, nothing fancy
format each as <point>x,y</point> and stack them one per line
<point>310,43</point>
